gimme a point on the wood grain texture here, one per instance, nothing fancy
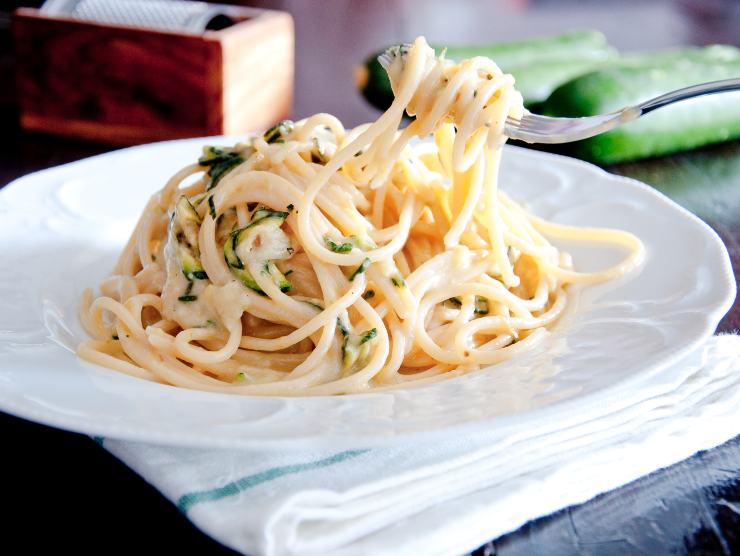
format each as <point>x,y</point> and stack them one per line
<point>124,85</point>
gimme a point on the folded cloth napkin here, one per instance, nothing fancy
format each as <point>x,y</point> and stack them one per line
<point>446,497</point>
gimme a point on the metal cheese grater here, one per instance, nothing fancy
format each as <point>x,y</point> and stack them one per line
<point>167,15</point>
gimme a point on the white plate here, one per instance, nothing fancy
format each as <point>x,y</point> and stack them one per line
<point>61,230</point>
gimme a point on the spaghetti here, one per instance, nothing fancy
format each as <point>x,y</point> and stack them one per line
<point>318,260</point>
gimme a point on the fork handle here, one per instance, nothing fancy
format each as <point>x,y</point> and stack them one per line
<point>689,92</point>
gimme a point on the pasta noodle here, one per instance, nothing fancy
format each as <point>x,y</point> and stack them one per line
<point>317,260</point>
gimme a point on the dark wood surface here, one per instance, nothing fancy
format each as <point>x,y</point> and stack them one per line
<point>61,491</point>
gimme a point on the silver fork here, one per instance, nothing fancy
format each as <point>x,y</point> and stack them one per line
<point>533,128</point>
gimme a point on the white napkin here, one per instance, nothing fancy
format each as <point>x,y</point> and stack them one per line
<point>444,497</point>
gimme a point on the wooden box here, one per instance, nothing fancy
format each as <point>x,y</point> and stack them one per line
<point>125,85</point>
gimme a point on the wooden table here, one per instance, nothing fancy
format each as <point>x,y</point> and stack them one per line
<point>62,491</point>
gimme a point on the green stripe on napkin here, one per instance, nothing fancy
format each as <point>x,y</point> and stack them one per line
<point>188,500</point>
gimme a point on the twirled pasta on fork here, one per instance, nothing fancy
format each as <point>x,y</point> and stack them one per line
<point>317,260</point>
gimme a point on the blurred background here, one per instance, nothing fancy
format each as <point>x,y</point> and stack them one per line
<point>330,41</point>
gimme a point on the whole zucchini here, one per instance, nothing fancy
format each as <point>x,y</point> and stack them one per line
<point>685,125</point>
<point>538,65</point>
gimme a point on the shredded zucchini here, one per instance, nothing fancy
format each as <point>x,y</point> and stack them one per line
<point>360,269</point>
<point>279,132</point>
<point>263,239</point>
